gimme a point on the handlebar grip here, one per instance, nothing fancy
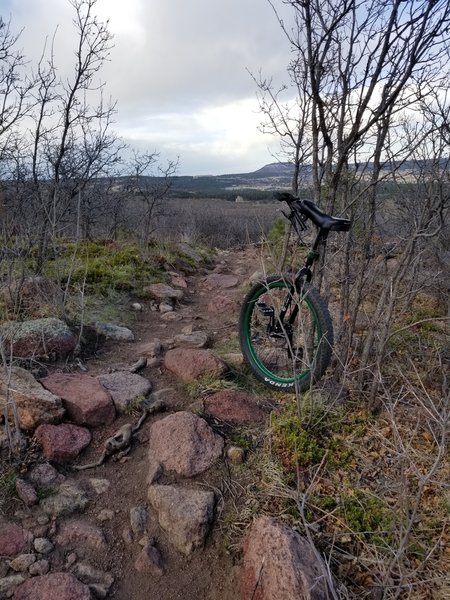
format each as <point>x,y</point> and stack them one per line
<point>284,197</point>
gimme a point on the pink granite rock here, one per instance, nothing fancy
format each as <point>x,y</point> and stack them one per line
<point>84,398</point>
<point>13,539</point>
<point>235,407</point>
<point>279,564</point>
<point>54,586</point>
<point>62,442</point>
<point>189,364</point>
<point>184,443</point>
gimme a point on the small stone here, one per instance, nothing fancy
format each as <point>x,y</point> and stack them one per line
<point>45,475</point>
<point>105,515</point>
<point>236,454</point>
<point>81,533</point>
<point>137,307</point>
<point>195,339</point>
<point>165,307</point>
<point>171,316</point>
<point>127,535</point>
<point>100,486</point>
<point>43,519</point>
<point>150,561</point>
<point>71,559</point>
<point>43,545</point>
<point>26,492</point>
<point>40,567</point>
<point>154,472</point>
<point>92,577</point>
<point>151,349</point>
<point>115,332</point>
<point>22,562</point>
<point>138,520</point>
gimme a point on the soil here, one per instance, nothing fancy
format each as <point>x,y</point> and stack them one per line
<point>213,572</point>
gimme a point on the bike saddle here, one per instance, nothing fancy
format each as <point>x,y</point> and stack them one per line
<point>313,212</point>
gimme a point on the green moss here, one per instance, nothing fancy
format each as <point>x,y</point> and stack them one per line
<point>367,515</point>
<point>305,442</point>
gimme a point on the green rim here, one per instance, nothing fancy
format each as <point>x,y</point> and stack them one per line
<point>261,366</point>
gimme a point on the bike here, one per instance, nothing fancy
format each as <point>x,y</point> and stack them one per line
<point>285,328</point>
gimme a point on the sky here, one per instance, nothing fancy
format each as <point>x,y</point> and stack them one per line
<point>178,71</point>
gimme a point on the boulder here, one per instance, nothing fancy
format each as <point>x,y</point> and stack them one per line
<point>188,251</point>
<point>125,387</point>
<point>98,581</point>
<point>184,443</point>
<point>38,338</point>
<point>84,398</point>
<point>279,564</point>
<point>35,405</point>
<point>235,407</point>
<point>189,364</point>
<point>184,514</point>
<point>62,442</point>
<point>44,475</point>
<point>54,586</point>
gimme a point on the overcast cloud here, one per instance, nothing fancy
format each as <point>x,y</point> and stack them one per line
<point>177,71</point>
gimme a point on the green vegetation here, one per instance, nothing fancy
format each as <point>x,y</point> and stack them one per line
<point>7,490</point>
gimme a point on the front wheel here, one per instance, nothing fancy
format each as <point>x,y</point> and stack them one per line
<point>286,334</point>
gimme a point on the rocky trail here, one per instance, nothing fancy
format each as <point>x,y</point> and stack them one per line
<point>147,518</point>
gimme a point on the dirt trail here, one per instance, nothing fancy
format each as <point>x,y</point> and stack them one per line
<point>208,574</point>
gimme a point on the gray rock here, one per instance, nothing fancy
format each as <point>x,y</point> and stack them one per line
<point>26,492</point>
<point>45,475</point>
<point>165,307</point>
<point>100,486</point>
<point>22,562</point>
<point>98,581</point>
<point>40,567</point>
<point>171,316</point>
<point>43,545</point>
<point>12,581</point>
<point>151,349</point>
<point>188,251</point>
<point>138,520</point>
<point>162,291</point>
<point>105,515</point>
<point>184,514</point>
<point>68,499</point>
<point>125,387</point>
<point>114,332</point>
<point>195,339</point>
<point>38,338</point>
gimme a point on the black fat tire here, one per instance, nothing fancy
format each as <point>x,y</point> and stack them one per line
<point>323,334</point>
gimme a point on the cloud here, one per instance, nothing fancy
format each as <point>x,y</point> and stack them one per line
<point>178,70</point>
